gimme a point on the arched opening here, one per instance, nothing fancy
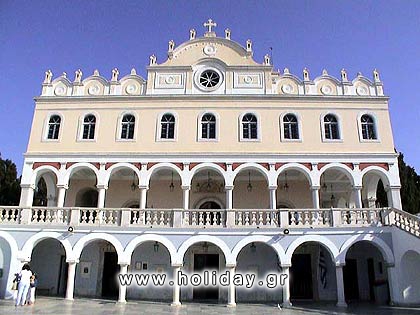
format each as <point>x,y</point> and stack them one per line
<point>48,262</point>
<point>365,274</point>
<point>312,275</point>
<point>82,191</point>
<point>293,190</point>
<point>164,182</point>
<point>259,259</point>
<point>198,258</point>
<point>151,257</point>
<point>374,194</point>
<point>123,186</point>
<point>5,260</point>
<point>96,273</point>
<point>336,190</point>
<point>250,190</point>
<point>410,282</point>
<point>45,190</point>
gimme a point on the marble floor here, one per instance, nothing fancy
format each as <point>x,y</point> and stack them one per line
<point>56,306</point>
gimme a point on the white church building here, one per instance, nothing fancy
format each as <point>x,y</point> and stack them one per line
<point>214,161</point>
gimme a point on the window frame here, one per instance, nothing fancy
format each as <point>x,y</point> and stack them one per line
<point>199,126</point>
<point>47,127</point>
<point>259,131</point>
<point>81,127</point>
<point>159,127</point>
<point>340,128</point>
<point>299,125</point>
<point>118,137</point>
<point>376,128</point>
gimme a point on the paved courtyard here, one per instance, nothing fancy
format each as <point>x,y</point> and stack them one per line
<point>93,307</point>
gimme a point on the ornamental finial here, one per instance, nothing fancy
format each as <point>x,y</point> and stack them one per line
<point>209,25</point>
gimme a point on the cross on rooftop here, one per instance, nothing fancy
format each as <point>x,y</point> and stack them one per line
<point>209,24</point>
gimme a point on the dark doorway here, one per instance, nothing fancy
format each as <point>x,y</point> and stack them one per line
<point>62,277</point>
<point>109,279</point>
<point>371,277</point>
<point>351,282</point>
<point>204,262</point>
<point>214,217</point>
<point>301,277</point>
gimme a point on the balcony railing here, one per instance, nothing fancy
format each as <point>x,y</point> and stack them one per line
<point>212,218</point>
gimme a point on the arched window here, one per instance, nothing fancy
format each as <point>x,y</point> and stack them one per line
<point>290,127</point>
<point>167,127</point>
<point>208,126</point>
<point>368,127</point>
<point>89,123</point>
<point>249,127</point>
<point>127,126</point>
<point>54,127</point>
<point>331,127</point>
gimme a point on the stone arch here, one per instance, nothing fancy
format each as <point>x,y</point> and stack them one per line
<point>129,249</point>
<point>253,166</point>
<point>75,167</point>
<point>118,166</point>
<point>42,170</point>
<point>204,238</point>
<point>38,237</point>
<point>297,167</point>
<point>160,166</point>
<point>9,269</point>
<point>329,245</point>
<point>370,179</point>
<point>270,241</point>
<point>380,172</point>
<point>204,166</point>
<point>85,240</point>
<point>385,250</point>
<point>340,167</point>
<point>202,201</point>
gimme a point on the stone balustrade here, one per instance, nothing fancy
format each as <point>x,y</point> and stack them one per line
<point>212,218</point>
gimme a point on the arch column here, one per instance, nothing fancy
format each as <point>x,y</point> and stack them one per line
<point>315,196</point>
<point>70,280</point>
<point>101,195</point>
<point>143,196</point>
<point>286,287</point>
<point>176,288</point>
<point>122,292</point>
<point>26,200</point>
<point>341,300</point>
<point>231,289</point>
<point>186,196</point>
<point>61,195</point>
<point>273,201</point>
<point>394,197</point>
<point>357,192</point>
<point>230,215</point>
<point>394,293</point>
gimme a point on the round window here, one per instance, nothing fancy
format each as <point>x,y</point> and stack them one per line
<point>209,79</point>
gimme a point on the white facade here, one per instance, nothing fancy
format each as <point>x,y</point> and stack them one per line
<point>125,175</point>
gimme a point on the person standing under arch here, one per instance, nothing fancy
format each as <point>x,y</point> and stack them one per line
<point>24,285</point>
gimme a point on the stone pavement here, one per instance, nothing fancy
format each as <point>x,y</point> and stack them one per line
<point>57,306</point>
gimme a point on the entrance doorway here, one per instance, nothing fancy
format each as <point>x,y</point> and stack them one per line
<point>214,217</point>
<point>301,277</point>
<point>351,283</point>
<point>109,280</point>
<point>204,262</point>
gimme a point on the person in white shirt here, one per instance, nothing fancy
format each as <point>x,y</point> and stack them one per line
<point>24,285</point>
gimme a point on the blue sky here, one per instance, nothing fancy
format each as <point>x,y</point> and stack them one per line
<point>67,35</point>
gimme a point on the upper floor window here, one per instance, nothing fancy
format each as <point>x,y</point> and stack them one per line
<point>89,124</point>
<point>249,127</point>
<point>290,127</point>
<point>208,126</point>
<point>128,123</point>
<point>54,127</point>
<point>167,127</point>
<point>331,127</point>
<point>368,127</point>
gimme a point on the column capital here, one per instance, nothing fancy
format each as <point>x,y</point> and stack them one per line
<point>175,265</point>
<point>230,265</point>
<point>229,187</point>
<point>186,187</point>
<point>123,263</point>
<point>65,186</point>
<point>285,265</point>
<point>340,264</point>
<point>273,187</point>
<point>102,186</point>
<point>315,187</point>
<point>390,264</point>
<point>357,187</point>
<point>144,187</point>
<point>72,261</point>
<point>27,186</point>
